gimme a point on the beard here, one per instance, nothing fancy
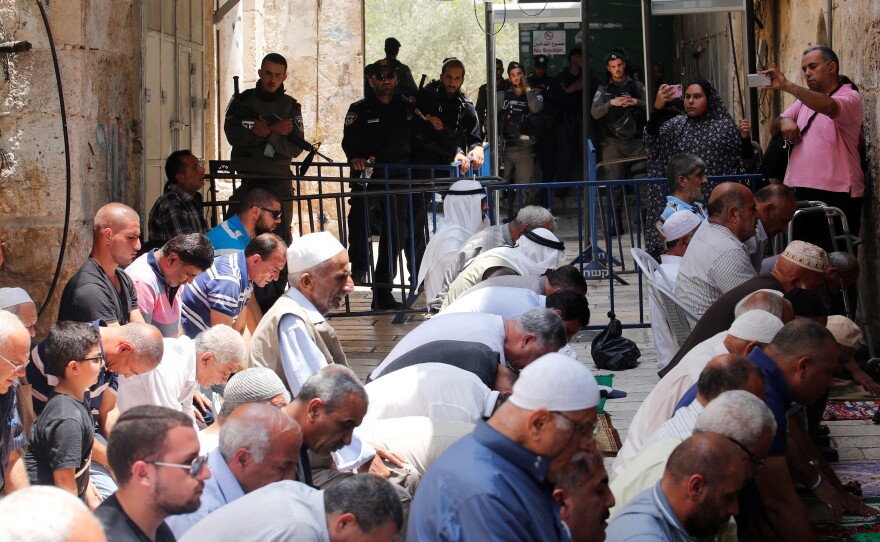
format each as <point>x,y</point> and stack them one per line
<point>173,505</point>
<point>705,521</point>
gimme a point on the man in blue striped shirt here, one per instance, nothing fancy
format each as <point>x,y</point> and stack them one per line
<point>220,294</point>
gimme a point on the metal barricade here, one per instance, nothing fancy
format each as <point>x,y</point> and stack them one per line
<point>602,255</point>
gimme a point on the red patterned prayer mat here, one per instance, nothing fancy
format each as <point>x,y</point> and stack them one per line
<point>849,410</point>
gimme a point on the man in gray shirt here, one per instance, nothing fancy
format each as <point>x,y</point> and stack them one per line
<point>694,500</point>
<point>717,260</point>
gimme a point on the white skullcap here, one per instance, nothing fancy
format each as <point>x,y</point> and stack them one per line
<point>312,249</point>
<point>11,297</point>
<point>756,325</point>
<point>555,382</point>
<point>806,255</point>
<point>845,331</point>
<point>253,385</point>
<point>679,224</point>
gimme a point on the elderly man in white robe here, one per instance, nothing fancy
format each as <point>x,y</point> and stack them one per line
<point>536,252</point>
<point>463,210</point>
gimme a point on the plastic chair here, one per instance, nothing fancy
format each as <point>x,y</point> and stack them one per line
<point>678,316</point>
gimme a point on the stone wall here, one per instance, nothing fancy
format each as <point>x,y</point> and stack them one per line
<point>99,49</point>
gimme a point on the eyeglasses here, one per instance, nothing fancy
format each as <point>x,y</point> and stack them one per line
<point>15,367</point>
<point>275,214</point>
<point>585,430</point>
<point>100,358</point>
<point>194,468</point>
<point>384,76</point>
<point>758,462</point>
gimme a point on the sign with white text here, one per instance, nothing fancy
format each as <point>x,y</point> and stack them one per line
<point>549,42</point>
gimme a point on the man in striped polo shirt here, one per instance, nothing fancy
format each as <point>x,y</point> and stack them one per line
<point>159,274</point>
<point>220,294</point>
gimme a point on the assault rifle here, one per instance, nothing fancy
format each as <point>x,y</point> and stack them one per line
<point>237,108</point>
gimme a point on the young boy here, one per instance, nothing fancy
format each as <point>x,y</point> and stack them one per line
<point>60,448</point>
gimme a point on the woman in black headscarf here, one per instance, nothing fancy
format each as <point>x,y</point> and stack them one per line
<point>706,130</point>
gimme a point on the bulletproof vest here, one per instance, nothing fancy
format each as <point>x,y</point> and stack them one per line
<point>616,119</point>
<point>514,110</point>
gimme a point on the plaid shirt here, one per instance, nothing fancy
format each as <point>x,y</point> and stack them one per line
<point>176,212</point>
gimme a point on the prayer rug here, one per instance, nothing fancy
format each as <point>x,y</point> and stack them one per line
<point>849,529</point>
<point>607,438</point>
<point>866,473</point>
<point>849,410</point>
<point>848,390</point>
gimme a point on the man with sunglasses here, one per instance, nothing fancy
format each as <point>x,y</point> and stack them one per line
<point>154,453</point>
<point>524,448</point>
<point>377,129</point>
<point>260,212</point>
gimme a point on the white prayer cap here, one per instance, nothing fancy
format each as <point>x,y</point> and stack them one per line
<point>845,331</point>
<point>312,249</point>
<point>679,224</point>
<point>806,255</point>
<point>756,325</point>
<point>466,187</point>
<point>253,385</point>
<point>10,297</point>
<point>555,382</point>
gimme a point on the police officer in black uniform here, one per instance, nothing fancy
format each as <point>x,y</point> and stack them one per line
<point>482,94</point>
<point>379,129</point>
<point>516,109</point>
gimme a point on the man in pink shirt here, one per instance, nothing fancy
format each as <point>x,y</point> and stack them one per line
<point>824,164</point>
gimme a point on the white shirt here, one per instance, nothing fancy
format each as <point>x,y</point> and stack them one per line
<point>664,340</point>
<point>480,328</point>
<point>434,390</point>
<point>278,512</point>
<point>171,384</point>
<point>420,440</point>
<point>659,405</point>
<point>300,356</point>
<point>506,302</point>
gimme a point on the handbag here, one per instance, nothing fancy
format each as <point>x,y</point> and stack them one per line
<point>611,350</point>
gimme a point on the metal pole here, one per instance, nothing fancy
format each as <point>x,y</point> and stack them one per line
<point>648,57</point>
<point>491,90</point>
<point>586,95</point>
<point>749,36</point>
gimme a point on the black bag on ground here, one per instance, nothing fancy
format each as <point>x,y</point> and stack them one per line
<point>611,350</point>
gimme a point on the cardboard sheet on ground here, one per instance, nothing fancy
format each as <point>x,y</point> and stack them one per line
<point>848,390</point>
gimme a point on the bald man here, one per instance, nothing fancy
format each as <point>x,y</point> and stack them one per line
<point>100,290</point>
<point>259,445</point>
<point>717,259</point>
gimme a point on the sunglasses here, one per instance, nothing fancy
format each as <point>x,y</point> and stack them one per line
<point>584,430</point>
<point>194,468</point>
<point>275,214</point>
<point>758,462</point>
<point>384,76</point>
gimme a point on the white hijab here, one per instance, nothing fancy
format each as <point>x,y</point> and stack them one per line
<point>462,218</point>
<point>529,257</point>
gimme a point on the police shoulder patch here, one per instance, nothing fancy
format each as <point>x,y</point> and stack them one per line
<point>598,94</point>
<point>350,118</point>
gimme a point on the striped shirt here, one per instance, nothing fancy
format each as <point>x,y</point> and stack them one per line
<point>224,288</point>
<point>159,303</point>
<point>680,425</point>
<point>715,262</point>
